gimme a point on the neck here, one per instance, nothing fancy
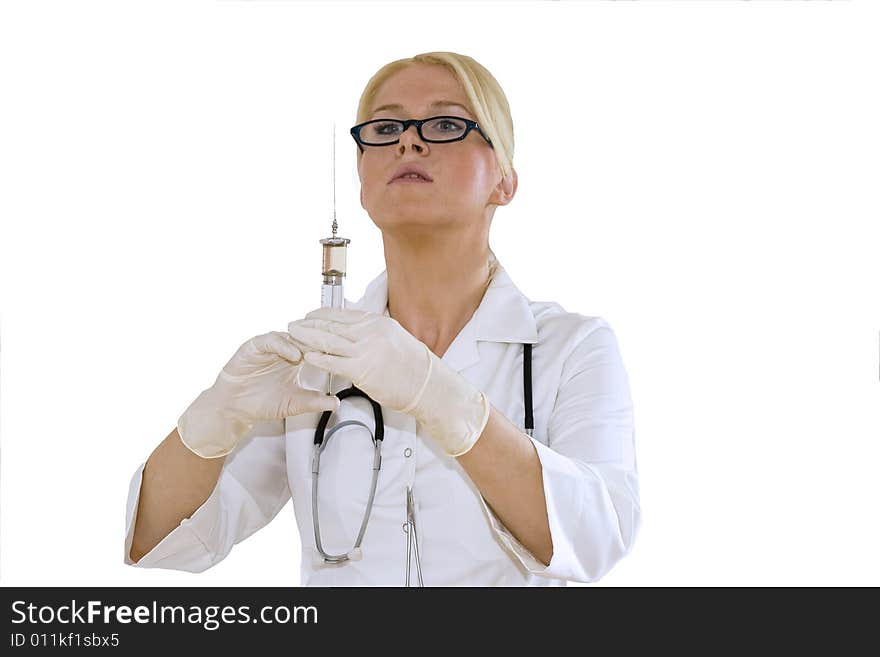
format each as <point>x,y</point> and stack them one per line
<point>435,286</point>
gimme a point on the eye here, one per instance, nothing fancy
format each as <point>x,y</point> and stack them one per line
<point>387,128</point>
<point>448,125</point>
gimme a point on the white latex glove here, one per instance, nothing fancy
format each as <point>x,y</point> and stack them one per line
<point>397,370</point>
<point>258,384</point>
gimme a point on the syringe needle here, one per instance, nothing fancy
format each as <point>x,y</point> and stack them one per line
<point>333,175</point>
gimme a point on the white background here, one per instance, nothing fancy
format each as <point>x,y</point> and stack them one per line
<point>702,175</point>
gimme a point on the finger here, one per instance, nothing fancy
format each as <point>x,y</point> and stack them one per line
<point>314,401</point>
<point>341,315</point>
<point>320,340</point>
<point>338,365</point>
<point>347,331</point>
<point>279,344</point>
<point>299,345</point>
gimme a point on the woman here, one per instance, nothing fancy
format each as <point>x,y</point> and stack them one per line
<point>464,495</point>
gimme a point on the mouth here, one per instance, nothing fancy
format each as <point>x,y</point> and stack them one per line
<point>409,178</point>
<point>411,173</point>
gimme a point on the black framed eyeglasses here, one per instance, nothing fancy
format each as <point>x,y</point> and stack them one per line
<point>436,130</point>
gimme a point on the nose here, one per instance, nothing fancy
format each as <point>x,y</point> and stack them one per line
<point>409,138</point>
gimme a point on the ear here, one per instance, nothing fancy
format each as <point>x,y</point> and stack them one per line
<point>505,190</point>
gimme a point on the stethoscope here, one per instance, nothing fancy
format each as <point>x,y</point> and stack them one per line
<point>321,441</point>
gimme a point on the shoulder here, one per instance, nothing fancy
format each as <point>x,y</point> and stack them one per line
<point>573,342</point>
<point>557,325</point>
<point>584,351</point>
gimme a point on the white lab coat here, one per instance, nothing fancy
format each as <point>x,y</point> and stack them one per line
<point>583,434</point>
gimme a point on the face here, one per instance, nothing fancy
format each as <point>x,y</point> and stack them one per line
<point>466,182</point>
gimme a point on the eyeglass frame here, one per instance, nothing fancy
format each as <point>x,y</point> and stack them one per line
<point>469,125</point>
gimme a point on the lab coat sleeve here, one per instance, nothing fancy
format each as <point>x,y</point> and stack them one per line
<point>251,490</point>
<point>588,466</point>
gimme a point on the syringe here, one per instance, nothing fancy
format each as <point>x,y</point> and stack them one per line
<point>333,261</point>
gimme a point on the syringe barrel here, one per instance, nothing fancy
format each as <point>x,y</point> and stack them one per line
<point>332,295</point>
<point>333,273</point>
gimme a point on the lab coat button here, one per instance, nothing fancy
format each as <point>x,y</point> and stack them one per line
<point>407,452</point>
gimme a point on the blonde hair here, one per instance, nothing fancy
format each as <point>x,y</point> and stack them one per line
<point>487,99</point>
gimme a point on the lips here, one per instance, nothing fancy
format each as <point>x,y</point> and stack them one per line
<point>411,173</point>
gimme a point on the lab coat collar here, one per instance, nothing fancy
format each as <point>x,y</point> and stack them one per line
<point>504,315</point>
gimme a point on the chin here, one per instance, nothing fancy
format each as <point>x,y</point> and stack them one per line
<point>418,218</point>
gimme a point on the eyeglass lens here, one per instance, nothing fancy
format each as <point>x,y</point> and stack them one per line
<point>441,128</point>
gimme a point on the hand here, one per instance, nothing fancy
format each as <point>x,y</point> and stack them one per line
<point>258,384</point>
<point>396,370</point>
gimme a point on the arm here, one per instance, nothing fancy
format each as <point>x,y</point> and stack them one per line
<point>191,502</point>
<point>586,480</point>
<point>175,483</point>
<point>251,489</point>
<point>506,469</point>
